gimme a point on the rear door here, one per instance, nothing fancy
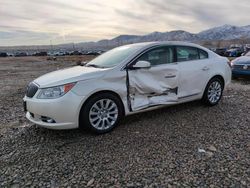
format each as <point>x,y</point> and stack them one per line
<point>157,85</point>
<point>194,67</point>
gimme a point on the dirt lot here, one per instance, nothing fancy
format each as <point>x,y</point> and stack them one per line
<point>184,145</point>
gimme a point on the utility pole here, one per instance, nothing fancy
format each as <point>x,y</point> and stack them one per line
<point>51,46</point>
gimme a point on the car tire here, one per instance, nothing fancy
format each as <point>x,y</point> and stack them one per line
<point>213,92</point>
<point>101,113</point>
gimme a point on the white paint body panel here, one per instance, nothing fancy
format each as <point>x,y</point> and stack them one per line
<point>68,75</point>
<point>149,85</point>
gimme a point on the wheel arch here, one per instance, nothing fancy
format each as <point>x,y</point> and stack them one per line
<point>219,77</point>
<point>204,96</point>
<point>215,76</point>
<point>98,93</point>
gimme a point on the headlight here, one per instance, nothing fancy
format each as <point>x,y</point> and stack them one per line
<point>55,92</point>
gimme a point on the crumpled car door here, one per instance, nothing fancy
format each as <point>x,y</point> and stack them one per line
<point>152,87</point>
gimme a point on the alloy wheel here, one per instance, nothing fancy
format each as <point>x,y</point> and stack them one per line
<point>103,114</point>
<point>214,92</point>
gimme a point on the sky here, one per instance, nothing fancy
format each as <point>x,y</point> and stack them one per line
<point>41,22</point>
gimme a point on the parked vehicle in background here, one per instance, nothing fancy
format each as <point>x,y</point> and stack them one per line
<point>247,47</point>
<point>221,51</point>
<point>21,54</point>
<point>59,53</point>
<point>234,52</point>
<point>126,80</point>
<point>93,53</point>
<point>40,54</point>
<point>10,54</point>
<point>241,66</point>
<point>3,54</point>
<point>75,53</point>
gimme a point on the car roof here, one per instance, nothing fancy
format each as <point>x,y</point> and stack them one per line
<point>146,45</point>
<point>175,43</point>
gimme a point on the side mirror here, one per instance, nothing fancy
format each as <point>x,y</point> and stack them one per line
<point>142,64</point>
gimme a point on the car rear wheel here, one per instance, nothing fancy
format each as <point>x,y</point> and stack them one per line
<point>101,113</point>
<point>213,92</point>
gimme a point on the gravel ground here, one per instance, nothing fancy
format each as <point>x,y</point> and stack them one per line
<point>184,145</point>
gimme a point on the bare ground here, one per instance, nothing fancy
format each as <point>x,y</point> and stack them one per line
<point>184,145</point>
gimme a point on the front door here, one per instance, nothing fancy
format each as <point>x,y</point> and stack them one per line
<point>157,85</point>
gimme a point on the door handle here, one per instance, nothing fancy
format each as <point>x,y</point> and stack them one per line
<point>205,68</point>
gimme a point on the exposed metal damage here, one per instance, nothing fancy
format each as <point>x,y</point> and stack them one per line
<point>150,88</point>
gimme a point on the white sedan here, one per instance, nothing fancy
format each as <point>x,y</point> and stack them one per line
<point>126,80</point>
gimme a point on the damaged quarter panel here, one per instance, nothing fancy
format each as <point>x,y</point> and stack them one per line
<point>113,80</point>
<point>221,68</point>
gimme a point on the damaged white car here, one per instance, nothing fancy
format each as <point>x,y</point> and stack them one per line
<point>126,80</point>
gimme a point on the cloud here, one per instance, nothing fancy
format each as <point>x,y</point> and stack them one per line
<point>129,14</point>
<point>22,37</point>
<point>86,20</point>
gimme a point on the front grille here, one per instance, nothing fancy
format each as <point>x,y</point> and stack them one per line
<point>31,90</point>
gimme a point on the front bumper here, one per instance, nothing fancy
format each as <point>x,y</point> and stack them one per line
<point>59,126</point>
<point>64,111</point>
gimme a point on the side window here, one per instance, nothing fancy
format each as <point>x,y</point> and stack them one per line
<point>158,56</point>
<point>185,53</point>
<point>203,54</point>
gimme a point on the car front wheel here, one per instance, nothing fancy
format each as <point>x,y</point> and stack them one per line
<point>213,92</point>
<point>101,113</point>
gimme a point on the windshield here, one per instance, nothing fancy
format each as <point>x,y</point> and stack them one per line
<point>113,57</point>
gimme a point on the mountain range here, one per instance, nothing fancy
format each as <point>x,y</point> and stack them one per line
<point>222,33</point>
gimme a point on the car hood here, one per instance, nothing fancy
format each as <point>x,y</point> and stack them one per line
<point>68,75</point>
<point>242,60</point>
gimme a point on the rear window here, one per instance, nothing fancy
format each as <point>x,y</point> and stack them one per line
<point>203,54</point>
<point>186,53</point>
